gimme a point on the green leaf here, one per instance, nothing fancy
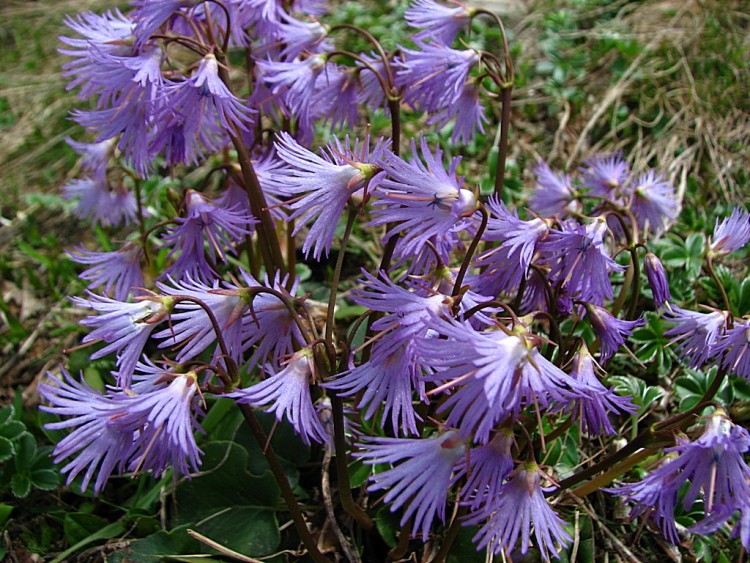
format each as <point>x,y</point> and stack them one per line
<point>5,511</point>
<point>359,473</point>
<point>388,525</point>
<point>20,485</point>
<point>25,452</point>
<point>12,429</point>
<point>229,504</point>
<point>6,449</point>
<point>160,545</point>
<point>78,526</point>
<point>111,531</point>
<point>45,479</point>
<point>6,414</point>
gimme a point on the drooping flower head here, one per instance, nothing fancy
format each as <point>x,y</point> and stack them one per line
<point>321,188</point>
<point>732,233</point>
<point>605,175</point>
<point>594,408</point>
<point>124,327</point>
<point>579,261</point>
<point>468,112</point>
<point>734,346</point>
<point>434,75</point>
<point>422,200</point>
<point>287,395</point>
<point>695,334</point>
<point>204,222</point>
<point>442,23</point>
<point>119,271</point>
<point>654,203</point>
<point>611,331</point>
<point>422,476</point>
<point>554,192</point>
<point>518,507</point>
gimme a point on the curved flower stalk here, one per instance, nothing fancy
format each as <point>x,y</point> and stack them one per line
<point>422,476</point>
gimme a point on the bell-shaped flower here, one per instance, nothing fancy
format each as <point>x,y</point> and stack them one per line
<point>654,203</point>
<point>520,506</point>
<point>695,334</point>
<point>611,331</point>
<point>421,478</point>
<point>119,271</point>
<point>605,175</point>
<point>422,200</point>
<point>554,193</point>
<point>204,222</point>
<point>441,22</point>
<point>321,188</point>
<point>734,347</point>
<point>594,408</point>
<point>125,327</point>
<point>732,233</point>
<point>287,395</point>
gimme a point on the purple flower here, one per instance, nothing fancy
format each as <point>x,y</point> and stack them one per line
<point>492,374</point>
<point>605,175</point>
<point>489,466</point>
<point>468,111</point>
<point>336,97</point>
<point>732,233</point>
<point>611,331</point>
<point>579,261</point>
<point>299,36</point>
<point>190,327</point>
<point>94,156</point>
<point>269,325</point>
<point>102,205</point>
<point>734,346</point>
<point>203,220</point>
<point>423,200</point>
<point>434,76</point>
<point>504,266</point>
<point>162,405</point>
<point>519,506</point>
<point>287,395</point>
<point>323,187</point>
<point>422,477</point>
<point>441,22</point>
<point>594,408</point>
<point>371,94</point>
<point>713,464</point>
<point>119,270</point>
<point>393,372</point>
<point>695,334</point>
<point>150,15</point>
<point>205,93</point>
<point>654,203</point>
<point>657,280</point>
<point>294,83</point>
<point>125,327</point>
<point>99,443</point>
<point>553,194</point>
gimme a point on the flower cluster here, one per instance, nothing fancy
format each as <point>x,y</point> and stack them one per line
<point>487,328</point>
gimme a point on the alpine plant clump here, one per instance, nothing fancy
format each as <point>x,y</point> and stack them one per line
<point>489,327</point>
